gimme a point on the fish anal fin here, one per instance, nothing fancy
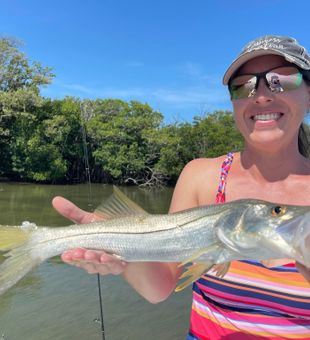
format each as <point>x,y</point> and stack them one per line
<point>193,273</point>
<point>117,205</point>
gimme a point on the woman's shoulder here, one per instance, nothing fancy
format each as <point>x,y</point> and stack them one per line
<point>199,180</point>
<point>206,165</point>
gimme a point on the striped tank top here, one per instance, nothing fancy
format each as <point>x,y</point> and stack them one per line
<point>251,301</point>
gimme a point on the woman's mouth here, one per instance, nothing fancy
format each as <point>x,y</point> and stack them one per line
<point>267,116</point>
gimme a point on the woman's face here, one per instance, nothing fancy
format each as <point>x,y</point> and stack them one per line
<point>267,118</point>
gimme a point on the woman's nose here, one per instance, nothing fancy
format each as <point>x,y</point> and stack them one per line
<point>263,93</point>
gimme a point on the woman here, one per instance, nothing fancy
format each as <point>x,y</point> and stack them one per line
<point>270,91</point>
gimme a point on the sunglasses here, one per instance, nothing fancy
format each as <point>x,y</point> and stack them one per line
<point>280,79</point>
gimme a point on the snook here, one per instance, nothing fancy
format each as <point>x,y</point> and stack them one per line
<point>209,235</point>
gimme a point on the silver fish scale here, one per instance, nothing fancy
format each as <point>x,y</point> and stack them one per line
<point>216,234</point>
<point>164,238</point>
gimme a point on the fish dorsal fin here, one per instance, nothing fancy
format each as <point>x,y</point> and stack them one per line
<point>117,205</point>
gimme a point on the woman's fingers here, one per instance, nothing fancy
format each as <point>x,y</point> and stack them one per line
<point>73,255</point>
<point>94,261</point>
<point>71,211</point>
<point>90,260</point>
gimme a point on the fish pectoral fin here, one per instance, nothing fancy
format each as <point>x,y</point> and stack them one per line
<point>213,247</point>
<point>193,273</point>
<point>220,270</point>
<point>117,205</point>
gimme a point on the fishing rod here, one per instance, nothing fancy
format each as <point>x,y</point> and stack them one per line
<point>87,170</point>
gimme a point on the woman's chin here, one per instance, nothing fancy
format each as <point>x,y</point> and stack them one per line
<point>267,138</point>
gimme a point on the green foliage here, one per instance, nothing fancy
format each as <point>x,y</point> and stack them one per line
<point>111,140</point>
<point>19,99</point>
<point>58,141</point>
<point>41,139</point>
<point>49,140</point>
<point>216,135</point>
<point>16,71</point>
<point>175,149</point>
<point>209,136</point>
<point>122,136</point>
<point>43,161</point>
<point>17,119</point>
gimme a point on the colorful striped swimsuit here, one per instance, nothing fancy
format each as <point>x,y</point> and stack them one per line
<point>251,301</point>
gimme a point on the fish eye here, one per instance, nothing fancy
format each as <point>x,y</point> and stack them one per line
<point>278,210</point>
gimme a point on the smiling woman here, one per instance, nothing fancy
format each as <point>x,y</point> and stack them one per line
<point>289,72</point>
<point>272,111</point>
<point>266,299</point>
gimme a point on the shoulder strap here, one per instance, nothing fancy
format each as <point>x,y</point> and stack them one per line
<point>220,196</point>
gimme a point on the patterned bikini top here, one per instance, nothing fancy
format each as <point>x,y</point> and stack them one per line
<point>220,196</point>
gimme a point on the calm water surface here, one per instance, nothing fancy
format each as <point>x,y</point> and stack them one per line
<point>60,302</point>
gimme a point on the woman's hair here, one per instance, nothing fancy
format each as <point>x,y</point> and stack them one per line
<point>304,140</point>
<point>304,130</point>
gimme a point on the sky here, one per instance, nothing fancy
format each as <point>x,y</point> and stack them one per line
<point>170,54</point>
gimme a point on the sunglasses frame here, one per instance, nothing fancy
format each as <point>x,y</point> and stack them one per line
<point>262,75</point>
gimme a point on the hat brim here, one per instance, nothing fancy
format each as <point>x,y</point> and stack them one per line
<point>243,59</point>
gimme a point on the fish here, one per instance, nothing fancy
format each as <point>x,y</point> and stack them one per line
<point>200,239</point>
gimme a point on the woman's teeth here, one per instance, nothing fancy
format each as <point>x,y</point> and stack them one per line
<point>267,116</point>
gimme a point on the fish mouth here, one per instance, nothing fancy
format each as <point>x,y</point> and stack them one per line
<point>296,233</point>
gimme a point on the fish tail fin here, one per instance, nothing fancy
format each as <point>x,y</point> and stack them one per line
<point>13,237</point>
<point>15,242</point>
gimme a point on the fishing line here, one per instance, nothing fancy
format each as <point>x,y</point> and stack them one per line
<point>101,307</point>
<point>86,162</point>
<point>90,199</point>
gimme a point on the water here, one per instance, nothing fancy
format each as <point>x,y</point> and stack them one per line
<point>60,302</point>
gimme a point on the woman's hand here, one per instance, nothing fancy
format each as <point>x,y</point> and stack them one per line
<point>153,280</point>
<point>92,261</point>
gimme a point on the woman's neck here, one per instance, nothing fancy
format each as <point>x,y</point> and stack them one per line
<point>274,166</point>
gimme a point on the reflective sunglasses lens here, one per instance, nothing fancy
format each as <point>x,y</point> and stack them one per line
<point>284,79</point>
<point>242,86</point>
